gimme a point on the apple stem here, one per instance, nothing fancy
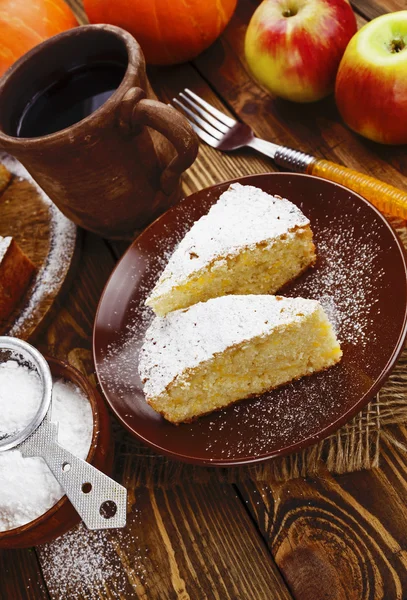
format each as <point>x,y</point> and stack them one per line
<point>397,45</point>
<point>289,12</point>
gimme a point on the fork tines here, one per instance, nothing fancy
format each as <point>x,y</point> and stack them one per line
<point>207,121</point>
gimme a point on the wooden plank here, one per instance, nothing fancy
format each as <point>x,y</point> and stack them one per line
<point>341,536</point>
<point>20,576</point>
<point>326,543</point>
<point>369,10</point>
<point>391,5</point>
<point>191,543</point>
<point>220,560</point>
<point>383,493</point>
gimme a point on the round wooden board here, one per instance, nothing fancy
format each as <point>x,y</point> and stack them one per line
<point>46,236</point>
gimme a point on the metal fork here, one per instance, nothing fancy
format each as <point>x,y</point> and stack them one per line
<point>224,133</point>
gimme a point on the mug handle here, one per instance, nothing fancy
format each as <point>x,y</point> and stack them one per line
<point>138,111</point>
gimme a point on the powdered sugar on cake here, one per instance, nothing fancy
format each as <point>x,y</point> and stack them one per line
<point>243,217</point>
<point>187,337</point>
<point>347,292</point>
<point>4,246</point>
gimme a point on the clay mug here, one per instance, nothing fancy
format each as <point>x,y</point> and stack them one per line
<point>117,169</point>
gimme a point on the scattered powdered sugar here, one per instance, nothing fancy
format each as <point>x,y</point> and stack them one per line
<point>20,396</point>
<point>27,486</point>
<point>272,420</point>
<point>346,288</point>
<point>242,217</point>
<point>4,246</point>
<point>119,369</point>
<point>63,240</point>
<point>80,563</point>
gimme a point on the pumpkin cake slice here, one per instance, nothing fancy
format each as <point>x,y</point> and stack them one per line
<point>248,243</point>
<point>205,357</point>
<point>16,271</point>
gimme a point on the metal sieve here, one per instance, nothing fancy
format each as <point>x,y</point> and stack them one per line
<point>99,501</point>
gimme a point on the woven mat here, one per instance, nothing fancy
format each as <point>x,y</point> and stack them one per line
<point>353,447</point>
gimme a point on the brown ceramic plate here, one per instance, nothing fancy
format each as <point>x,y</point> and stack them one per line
<point>360,278</point>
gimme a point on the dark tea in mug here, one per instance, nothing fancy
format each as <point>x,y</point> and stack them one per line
<point>76,95</point>
<point>79,113</point>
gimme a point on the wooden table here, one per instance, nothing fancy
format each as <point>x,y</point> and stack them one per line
<point>339,538</point>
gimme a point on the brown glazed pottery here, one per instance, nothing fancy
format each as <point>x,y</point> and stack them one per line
<point>62,516</point>
<point>360,264</point>
<point>117,169</point>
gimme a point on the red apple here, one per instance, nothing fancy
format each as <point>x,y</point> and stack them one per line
<point>371,86</point>
<point>294,47</point>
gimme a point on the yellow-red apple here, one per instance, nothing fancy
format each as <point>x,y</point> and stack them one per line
<point>294,47</point>
<point>371,86</point>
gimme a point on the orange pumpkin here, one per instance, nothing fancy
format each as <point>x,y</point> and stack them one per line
<point>26,23</point>
<point>168,31</point>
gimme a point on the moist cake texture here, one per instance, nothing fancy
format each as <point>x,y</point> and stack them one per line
<point>215,353</point>
<point>249,243</point>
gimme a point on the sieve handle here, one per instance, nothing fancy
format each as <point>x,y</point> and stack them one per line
<point>99,500</point>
